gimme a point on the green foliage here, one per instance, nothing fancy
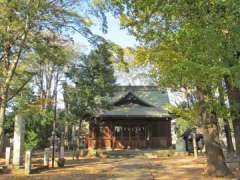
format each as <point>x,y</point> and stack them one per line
<point>93,78</point>
<point>182,125</point>
<point>36,98</point>
<point>9,125</point>
<point>39,125</point>
<point>31,140</point>
<point>187,117</point>
<point>191,45</point>
<point>34,45</point>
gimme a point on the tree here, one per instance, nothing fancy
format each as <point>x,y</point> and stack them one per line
<point>93,78</point>
<point>24,24</point>
<point>36,99</point>
<point>227,128</point>
<point>187,44</point>
<point>92,84</point>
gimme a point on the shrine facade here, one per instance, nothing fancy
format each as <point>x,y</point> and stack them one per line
<point>137,120</point>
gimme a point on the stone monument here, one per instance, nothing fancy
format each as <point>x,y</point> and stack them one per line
<point>180,145</point>
<point>28,163</point>
<point>8,156</point>
<point>46,157</point>
<point>18,141</point>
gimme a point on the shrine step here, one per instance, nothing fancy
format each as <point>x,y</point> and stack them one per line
<point>143,153</point>
<point>149,153</point>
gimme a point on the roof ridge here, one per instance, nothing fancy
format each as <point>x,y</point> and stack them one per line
<point>141,88</point>
<point>133,94</point>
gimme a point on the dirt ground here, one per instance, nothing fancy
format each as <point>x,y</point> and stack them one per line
<point>121,168</point>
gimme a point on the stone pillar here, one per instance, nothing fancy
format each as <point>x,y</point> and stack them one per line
<point>61,149</point>
<point>73,134</point>
<point>46,157</point>
<point>66,143</point>
<point>28,164</point>
<point>8,156</point>
<point>18,140</point>
<point>61,152</point>
<point>180,145</point>
<point>61,160</point>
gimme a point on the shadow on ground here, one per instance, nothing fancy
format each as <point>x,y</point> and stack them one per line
<point>137,168</point>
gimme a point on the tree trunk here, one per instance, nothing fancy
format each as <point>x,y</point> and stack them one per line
<point>66,142</point>
<point>73,135</point>
<point>2,112</point>
<point>2,120</point>
<point>228,135</point>
<point>234,99</point>
<point>227,128</point>
<point>216,165</point>
<point>236,128</point>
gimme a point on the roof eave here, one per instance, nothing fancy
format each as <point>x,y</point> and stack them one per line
<point>135,116</point>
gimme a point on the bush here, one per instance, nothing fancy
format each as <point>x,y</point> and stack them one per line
<point>32,140</point>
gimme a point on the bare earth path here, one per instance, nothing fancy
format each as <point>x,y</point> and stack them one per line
<point>137,168</point>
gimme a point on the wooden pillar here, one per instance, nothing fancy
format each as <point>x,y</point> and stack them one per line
<point>98,136</point>
<point>106,136</point>
<point>169,142</point>
<point>149,139</point>
<point>129,137</point>
<point>122,132</point>
<point>113,136</point>
<point>91,138</point>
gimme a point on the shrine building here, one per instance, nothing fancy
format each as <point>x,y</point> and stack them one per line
<point>138,119</point>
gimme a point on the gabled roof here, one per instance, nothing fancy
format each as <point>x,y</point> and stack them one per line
<point>152,95</point>
<point>138,101</point>
<point>131,98</point>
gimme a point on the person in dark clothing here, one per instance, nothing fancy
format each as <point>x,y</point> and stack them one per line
<point>187,136</point>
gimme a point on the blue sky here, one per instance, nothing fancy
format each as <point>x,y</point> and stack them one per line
<point>114,34</point>
<point>124,39</point>
<point>120,37</point>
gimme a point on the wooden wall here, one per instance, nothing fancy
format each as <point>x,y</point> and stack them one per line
<point>144,133</point>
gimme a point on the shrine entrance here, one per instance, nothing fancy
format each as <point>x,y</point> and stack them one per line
<point>131,137</point>
<point>130,134</point>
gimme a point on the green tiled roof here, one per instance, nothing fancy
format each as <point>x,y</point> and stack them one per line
<point>154,96</point>
<point>134,110</point>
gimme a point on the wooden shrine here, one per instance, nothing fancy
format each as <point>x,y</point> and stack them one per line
<point>137,120</point>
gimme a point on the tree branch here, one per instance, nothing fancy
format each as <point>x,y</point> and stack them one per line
<point>12,69</point>
<point>20,89</point>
